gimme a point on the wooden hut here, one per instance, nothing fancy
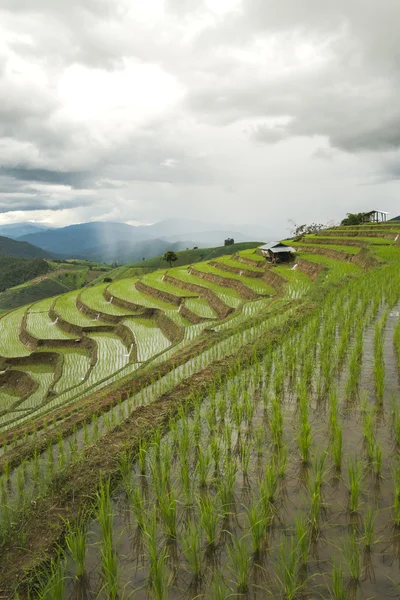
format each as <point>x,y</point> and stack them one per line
<point>277,252</point>
<point>375,216</point>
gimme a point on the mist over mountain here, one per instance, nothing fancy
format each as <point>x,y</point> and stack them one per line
<point>17,230</point>
<point>121,242</point>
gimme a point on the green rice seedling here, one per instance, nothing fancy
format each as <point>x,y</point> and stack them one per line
<point>104,512</point>
<point>158,576</point>
<point>286,568</point>
<point>244,457</point>
<point>352,556</point>
<point>85,433</point>
<point>269,483</point>
<point>377,459</point>
<point>239,556</point>
<point>209,518</point>
<point>337,446</point>
<point>202,468</point>
<point>369,527</point>
<point>219,590</point>
<point>225,484</point>
<point>191,545</point>
<point>339,588</point>
<point>52,582</point>
<point>76,542</point>
<point>315,499</point>
<point>355,475</point>
<point>167,506</point>
<point>215,452</point>
<point>396,493</point>
<point>258,520</point>
<point>138,506</point>
<point>110,571</point>
<point>276,422</point>
<point>333,413</point>
<point>302,540</point>
<point>141,455</point>
<point>227,435</point>
<point>304,441</point>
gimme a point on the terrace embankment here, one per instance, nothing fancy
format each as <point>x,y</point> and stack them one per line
<point>97,314</point>
<point>159,294</point>
<point>360,233</point>
<point>363,259</point>
<point>275,280</point>
<point>19,383</point>
<point>138,309</point>
<point>239,287</point>
<point>219,307</point>
<point>311,269</point>
<point>118,329</point>
<point>172,331</point>
<point>249,261</point>
<point>237,270</point>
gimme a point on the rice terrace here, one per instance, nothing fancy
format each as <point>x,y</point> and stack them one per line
<point>228,428</point>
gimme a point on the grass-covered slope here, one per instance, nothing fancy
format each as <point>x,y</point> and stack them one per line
<point>220,396</point>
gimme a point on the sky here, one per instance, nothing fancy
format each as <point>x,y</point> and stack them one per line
<point>239,111</point>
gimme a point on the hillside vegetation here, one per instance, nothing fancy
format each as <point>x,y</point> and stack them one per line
<point>221,428</point>
<point>23,281</point>
<point>14,271</point>
<point>17,249</point>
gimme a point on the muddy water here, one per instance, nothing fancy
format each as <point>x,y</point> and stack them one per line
<point>380,572</point>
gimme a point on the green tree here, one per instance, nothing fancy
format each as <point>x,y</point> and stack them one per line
<point>170,257</point>
<point>353,219</point>
<point>229,242</point>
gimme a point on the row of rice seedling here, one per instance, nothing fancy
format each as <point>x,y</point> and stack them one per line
<point>200,307</point>
<point>39,324</point>
<point>227,295</point>
<point>337,269</point>
<point>232,262</point>
<point>65,306</point>
<point>125,289</point>
<point>75,368</point>
<point>10,325</point>
<point>43,375</point>
<point>148,337</point>
<point>93,297</point>
<point>156,280</point>
<point>256,285</point>
<point>240,503</point>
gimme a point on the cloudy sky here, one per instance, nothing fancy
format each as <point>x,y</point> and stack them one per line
<point>240,111</point>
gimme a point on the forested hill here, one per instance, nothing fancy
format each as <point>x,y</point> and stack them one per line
<point>9,247</point>
<point>14,271</point>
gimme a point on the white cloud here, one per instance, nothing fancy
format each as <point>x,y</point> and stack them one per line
<point>132,110</point>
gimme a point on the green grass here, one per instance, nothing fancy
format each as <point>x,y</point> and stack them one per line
<point>251,253</point>
<point>200,307</point>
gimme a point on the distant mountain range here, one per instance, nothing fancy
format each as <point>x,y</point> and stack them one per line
<point>17,249</point>
<point>123,243</point>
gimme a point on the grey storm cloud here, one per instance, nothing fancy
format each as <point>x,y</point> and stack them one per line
<point>145,107</point>
<point>351,98</point>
